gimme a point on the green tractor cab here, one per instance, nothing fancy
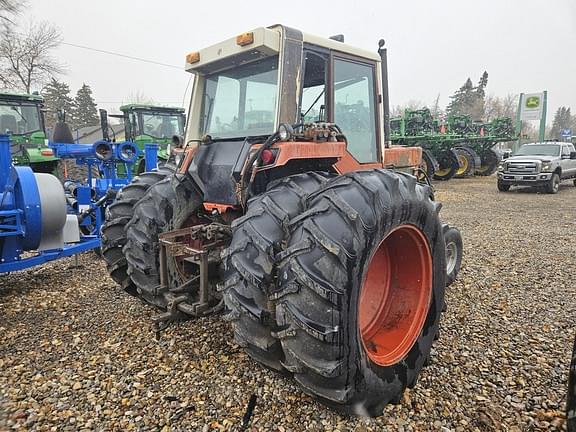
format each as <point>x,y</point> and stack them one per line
<point>21,118</point>
<point>144,124</point>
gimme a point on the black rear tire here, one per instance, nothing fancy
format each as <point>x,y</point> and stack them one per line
<point>171,198</point>
<point>118,214</point>
<point>250,264</point>
<point>321,279</point>
<point>454,252</point>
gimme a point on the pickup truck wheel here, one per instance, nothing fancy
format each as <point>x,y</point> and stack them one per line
<point>503,187</point>
<point>553,186</point>
<point>453,241</point>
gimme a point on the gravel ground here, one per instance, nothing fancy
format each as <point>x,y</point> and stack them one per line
<point>78,354</point>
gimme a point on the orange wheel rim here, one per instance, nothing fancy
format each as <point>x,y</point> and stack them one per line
<point>395,295</point>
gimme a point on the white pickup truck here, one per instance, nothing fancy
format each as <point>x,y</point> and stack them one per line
<point>538,164</point>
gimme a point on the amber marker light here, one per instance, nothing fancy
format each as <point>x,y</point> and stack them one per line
<point>245,39</point>
<point>193,57</point>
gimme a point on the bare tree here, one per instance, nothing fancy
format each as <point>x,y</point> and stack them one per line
<point>139,97</point>
<point>435,110</point>
<point>496,106</point>
<point>8,9</point>
<point>26,58</point>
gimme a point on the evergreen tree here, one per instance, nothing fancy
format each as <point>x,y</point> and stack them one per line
<point>460,99</point>
<point>562,120</point>
<point>85,112</point>
<point>469,99</point>
<point>482,83</point>
<point>57,97</point>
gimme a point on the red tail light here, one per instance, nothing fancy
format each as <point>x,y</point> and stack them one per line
<point>267,157</point>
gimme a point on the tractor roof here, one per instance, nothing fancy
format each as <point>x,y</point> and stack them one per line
<point>265,41</point>
<point>20,97</point>
<point>145,107</point>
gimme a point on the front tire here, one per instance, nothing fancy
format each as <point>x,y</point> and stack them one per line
<point>553,186</point>
<point>366,234</point>
<point>503,187</point>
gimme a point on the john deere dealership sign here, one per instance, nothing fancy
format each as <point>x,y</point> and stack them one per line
<point>531,106</point>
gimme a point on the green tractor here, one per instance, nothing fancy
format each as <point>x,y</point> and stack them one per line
<point>21,117</point>
<point>144,124</point>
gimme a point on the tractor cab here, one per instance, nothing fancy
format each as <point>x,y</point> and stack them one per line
<point>247,86</point>
<point>152,124</point>
<point>21,118</point>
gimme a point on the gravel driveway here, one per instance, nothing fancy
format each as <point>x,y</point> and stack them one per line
<point>76,353</point>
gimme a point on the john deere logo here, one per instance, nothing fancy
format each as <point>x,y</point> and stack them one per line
<point>532,102</point>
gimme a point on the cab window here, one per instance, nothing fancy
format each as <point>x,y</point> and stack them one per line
<point>354,108</point>
<point>313,101</point>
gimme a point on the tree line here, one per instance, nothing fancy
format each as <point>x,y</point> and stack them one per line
<point>26,62</point>
<point>472,100</point>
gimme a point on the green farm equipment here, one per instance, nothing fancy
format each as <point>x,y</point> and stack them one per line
<point>21,118</point>
<point>458,147</point>
<point>147,124</point>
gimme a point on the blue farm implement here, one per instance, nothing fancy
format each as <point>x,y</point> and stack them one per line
<point>42,220</point>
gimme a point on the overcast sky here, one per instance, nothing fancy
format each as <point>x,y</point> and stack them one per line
<point>433,46</point>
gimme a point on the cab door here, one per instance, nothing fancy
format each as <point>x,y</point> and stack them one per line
<point>342,89</point>
<point>568,165</point>
<point>354,106</point>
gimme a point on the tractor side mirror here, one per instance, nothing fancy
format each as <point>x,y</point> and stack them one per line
<point>177,141</point>
<point>573,155</point>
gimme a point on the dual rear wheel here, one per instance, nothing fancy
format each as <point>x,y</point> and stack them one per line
<point>337,281</point>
